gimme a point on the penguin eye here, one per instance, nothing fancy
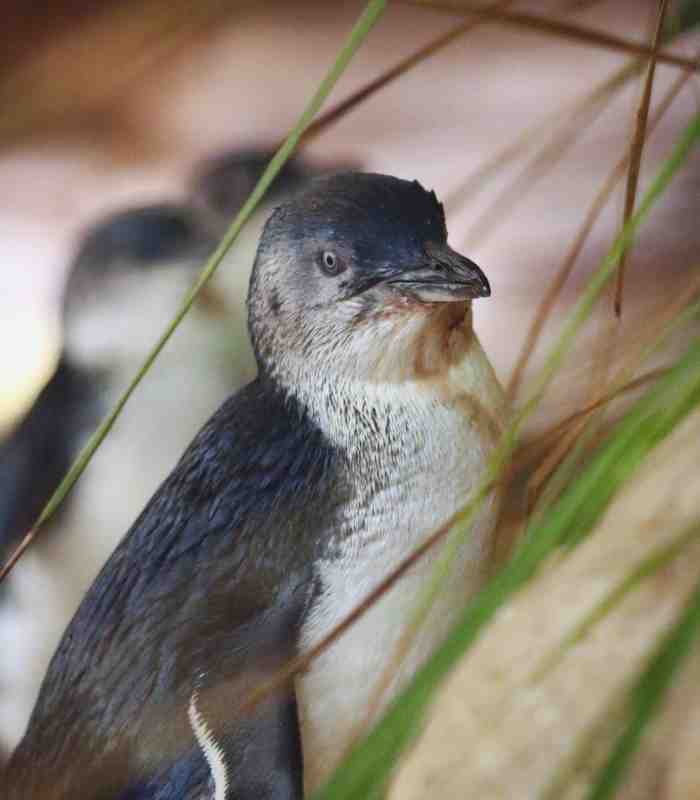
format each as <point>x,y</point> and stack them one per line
<point>330,263</point>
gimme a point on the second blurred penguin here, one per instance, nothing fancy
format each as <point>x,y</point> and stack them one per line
<point>127,279</point>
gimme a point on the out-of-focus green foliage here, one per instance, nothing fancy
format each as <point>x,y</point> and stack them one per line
<point>647,695</point>
<point>685,17</point>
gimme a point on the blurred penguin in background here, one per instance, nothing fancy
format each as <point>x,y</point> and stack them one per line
<point>219,187</point>
<point>129,275</point>
<point>127,278</point>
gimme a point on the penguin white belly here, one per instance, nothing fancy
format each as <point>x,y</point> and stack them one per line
<point>339,689</point>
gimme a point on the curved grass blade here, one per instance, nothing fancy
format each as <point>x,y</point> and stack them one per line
<point>559,28</point>
<point>603,274</point>
<point>588,426</point>
<point>341,109</point>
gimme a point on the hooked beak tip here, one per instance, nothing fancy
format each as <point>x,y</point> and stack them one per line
<point>462,270</point>
<point>485,287</point>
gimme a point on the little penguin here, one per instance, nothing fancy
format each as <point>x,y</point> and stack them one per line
<point>129,271</point>
<point>369,425</point>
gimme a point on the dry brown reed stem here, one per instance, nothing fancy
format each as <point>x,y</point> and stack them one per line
<point>302,662</point>
<point>603,350</point>
<point>533,449</point>
<point>552,460</point>
<point>577,119</point>
<point>459,196</point>
<point>637,148</point>
<point>404,644</point>
<point>563,273</point>
<point>326,120</point>
<point>560,28</point>
<point>578,419</point>
<point>621,382</point>
<point>496,213</point>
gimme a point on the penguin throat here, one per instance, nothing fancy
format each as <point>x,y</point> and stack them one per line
<point>386,348</point>
<point>387,364</point>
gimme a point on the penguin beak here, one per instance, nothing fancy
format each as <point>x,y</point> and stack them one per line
<point>446,277</point>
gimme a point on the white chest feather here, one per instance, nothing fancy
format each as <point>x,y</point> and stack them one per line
<point>434,454</point>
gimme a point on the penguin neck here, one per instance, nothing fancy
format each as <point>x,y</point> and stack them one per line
<point>402,377</point>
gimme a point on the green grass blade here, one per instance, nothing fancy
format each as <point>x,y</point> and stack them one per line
<point>462,525</point>
<point>366,22</point>
<point>643,428</point>
<point>647,567</point>
<point>572,461</point>
<point>647,695</point>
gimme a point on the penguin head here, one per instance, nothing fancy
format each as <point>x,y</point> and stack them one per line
<point>351,271</point>
<point>128,276</point>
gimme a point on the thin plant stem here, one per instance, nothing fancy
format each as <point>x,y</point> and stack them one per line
<point>559,28</point>
<point>559,280</point>
<point>646,697</point>
<point>637,146</point>
<point>341,109</point>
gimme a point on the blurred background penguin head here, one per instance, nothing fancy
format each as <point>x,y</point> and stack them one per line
<point>129,274</point>
<point>221,185</point>
<point>133,268</point>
